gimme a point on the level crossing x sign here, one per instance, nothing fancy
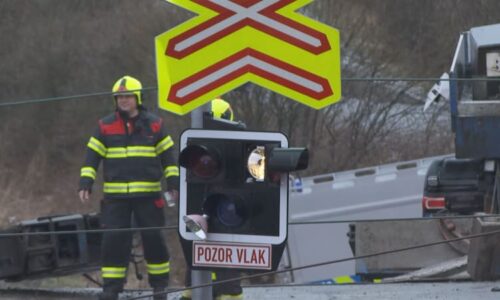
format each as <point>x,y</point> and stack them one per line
<point>232,42</point>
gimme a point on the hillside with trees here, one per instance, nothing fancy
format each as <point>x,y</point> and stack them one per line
<point>57,48</point>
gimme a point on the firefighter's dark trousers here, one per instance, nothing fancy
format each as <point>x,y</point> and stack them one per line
<point>116,246</point>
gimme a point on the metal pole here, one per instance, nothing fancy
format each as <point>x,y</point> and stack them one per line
<point>199,277</point>
<point>495,203</point>
<point>197,115</point>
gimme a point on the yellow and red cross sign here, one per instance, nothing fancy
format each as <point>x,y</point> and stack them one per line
<point>232,42</point>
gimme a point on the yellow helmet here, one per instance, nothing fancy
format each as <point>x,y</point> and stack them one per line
<point>222,110</point>
<point>128,85</point>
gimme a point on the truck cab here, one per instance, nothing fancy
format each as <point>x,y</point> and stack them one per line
<point>465,185</point>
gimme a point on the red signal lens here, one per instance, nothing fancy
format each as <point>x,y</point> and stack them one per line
<point>205,166</point>
<point>201,161</point>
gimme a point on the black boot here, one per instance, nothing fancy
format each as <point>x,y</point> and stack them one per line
<point>111,288</point>
<point>108,296</point>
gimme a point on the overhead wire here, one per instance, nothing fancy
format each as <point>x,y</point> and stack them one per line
<point>346,79</point>
<point>391,219</point>
<point>172,227</point>
<point>61,98</point>
<point>447,241</point>
<point>472,236</point>
<point>88,231</point>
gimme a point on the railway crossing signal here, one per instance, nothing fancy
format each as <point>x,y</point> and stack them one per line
<point>233,206</point>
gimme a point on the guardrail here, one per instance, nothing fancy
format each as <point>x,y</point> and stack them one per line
<point>381,173</point>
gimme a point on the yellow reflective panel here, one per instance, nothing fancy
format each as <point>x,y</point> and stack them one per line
<point>97,146</point>
<point>131,151</point>
<point>132,187</point>
<point>157,269</point>
<point>116,152</point>
<point>164,144</point>
<point>88,172</point>
<point>141,151</point>
<point>281,50</point>
<point>112,187</point>
<point>343,279</point>
<point>111,272</point>
<point>141,186</point>
<point>171,171</point>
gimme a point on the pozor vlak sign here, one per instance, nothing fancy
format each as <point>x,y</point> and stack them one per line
<point>232,255</point>
<point>232,42</point>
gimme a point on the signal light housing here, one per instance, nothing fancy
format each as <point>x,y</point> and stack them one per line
<point>226,175</point>
<point>234,188</point>
<point>288,159</point>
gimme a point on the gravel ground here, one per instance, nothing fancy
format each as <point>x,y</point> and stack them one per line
<point>441,291</point>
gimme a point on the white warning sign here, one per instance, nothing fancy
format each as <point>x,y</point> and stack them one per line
<point>229,255</point>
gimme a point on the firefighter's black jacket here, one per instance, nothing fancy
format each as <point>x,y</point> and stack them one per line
<point>136,154</point>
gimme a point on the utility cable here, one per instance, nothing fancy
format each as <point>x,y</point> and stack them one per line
<point>472,236</point>
<point>346,79</point>
<point>88,231</point>
<point>61,98</point>
<point>172,227</point>
<point>394,219</point>
<point>289,269</point>
<point>410,79</point>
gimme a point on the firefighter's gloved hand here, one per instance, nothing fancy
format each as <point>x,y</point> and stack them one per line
<point>84,196</point>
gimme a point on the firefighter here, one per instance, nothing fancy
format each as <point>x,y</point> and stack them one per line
<point>231,290</point>
<point>136,152</point>
<point>222,110</point>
